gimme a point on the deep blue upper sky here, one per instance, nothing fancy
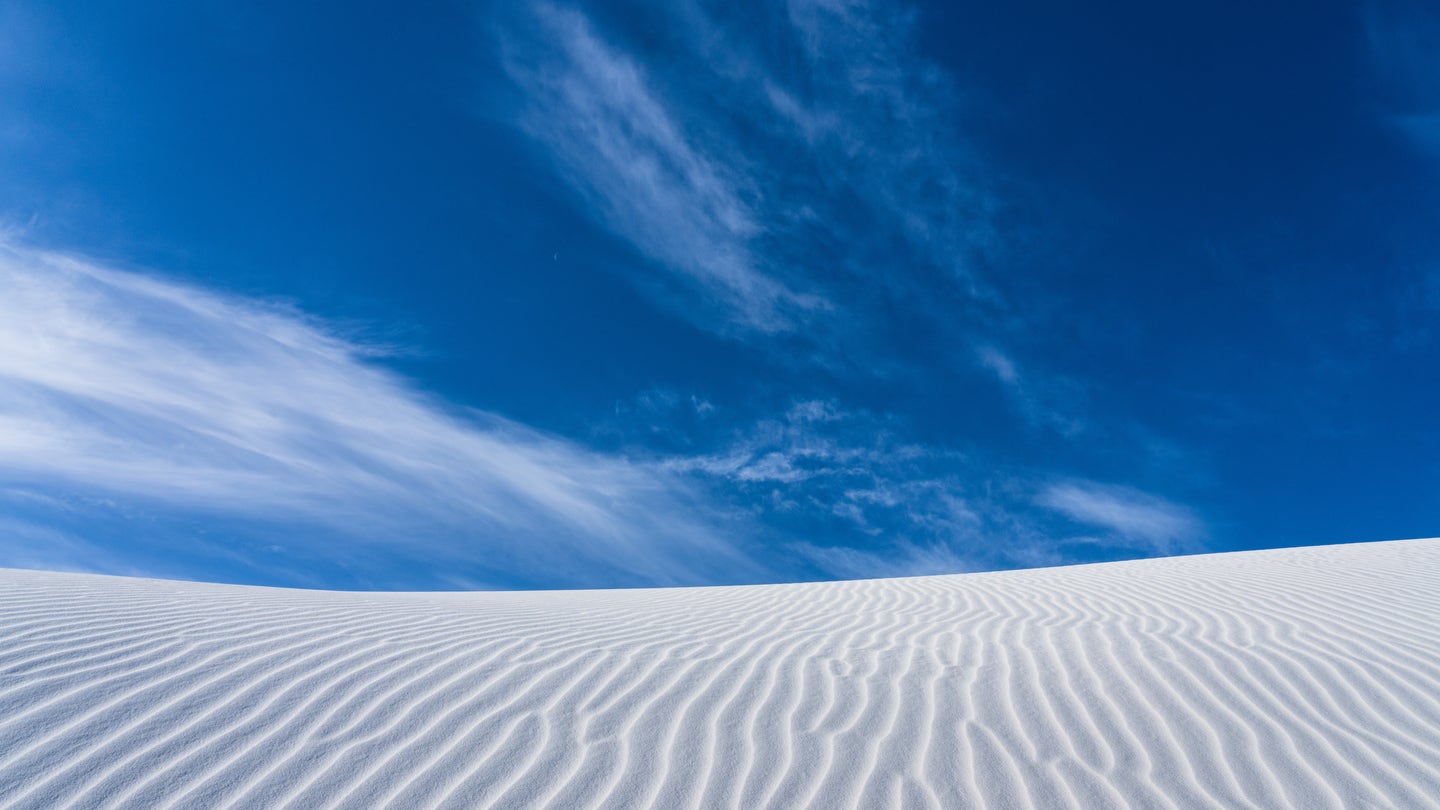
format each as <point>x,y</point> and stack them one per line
<point>550,294</point>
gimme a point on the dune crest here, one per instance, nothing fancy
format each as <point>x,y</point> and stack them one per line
<point>1304,678</point>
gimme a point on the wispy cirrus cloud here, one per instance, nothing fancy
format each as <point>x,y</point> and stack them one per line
<point>124,383</point>
<point>1154,524</point>
<point>848,479</point>
<point>870,502</point>
<point>684,206</point>
<point>132,387</point>
<point>807,181</point>
<point>781,176</point>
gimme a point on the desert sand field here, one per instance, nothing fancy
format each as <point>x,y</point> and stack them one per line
<point>1305,678</point>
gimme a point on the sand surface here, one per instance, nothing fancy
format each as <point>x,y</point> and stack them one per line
<point>1305,678</point>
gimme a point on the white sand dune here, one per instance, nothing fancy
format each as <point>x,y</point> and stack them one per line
<point>1305,678</point>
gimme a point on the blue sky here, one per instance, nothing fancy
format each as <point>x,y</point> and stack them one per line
<point>546,294</point>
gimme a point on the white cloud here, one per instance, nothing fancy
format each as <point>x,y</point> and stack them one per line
<point>786,173</point>
<point>817,152</point>
<point>1159,525</point>
<point>130,384</point>
<point>636,164</point>
<point>1000,364</point>
<point>848,478</point>
<point>147,391</point>
<point>810,441</point>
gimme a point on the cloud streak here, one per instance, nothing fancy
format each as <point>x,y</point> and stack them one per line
<point>814,171</point>
<point>802,185</point>
<point>125,383</point>
<point>626,153</point>
<point>1155,524</point>
<point>874,503</point>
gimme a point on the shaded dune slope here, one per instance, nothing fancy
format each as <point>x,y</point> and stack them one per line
<point>1302,678</point>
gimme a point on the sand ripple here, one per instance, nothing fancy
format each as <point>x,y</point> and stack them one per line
<point>1305,678</point>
